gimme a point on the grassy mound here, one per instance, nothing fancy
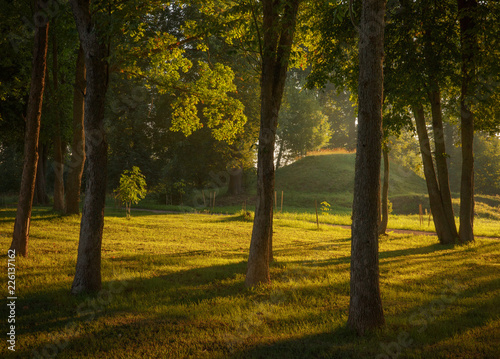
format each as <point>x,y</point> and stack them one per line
<point>330,178</point>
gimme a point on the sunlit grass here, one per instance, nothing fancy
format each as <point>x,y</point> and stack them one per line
<point>174,288</point>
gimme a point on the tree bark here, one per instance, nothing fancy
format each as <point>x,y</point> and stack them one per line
<point>235,185</point>
<point>33,114</point>
<point>88,265</point>
<point>441,159</point>
<point>365,306</point>
<point>468,42</point>
<point>57,141</point>
<point>443,230</point>
<point>385,193</point>
<point>280,154</point>
<point>75,167</point>
<point>41,197</point>
<point>278,30</point>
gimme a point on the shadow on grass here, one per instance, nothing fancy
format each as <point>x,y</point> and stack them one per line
<point>183,287</point>
<point>129,324</point>
<point>339,343</point>
<point>39,214</point>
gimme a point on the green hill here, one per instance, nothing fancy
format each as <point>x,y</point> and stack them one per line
<point>330,178</point>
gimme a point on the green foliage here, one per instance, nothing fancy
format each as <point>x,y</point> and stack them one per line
<point>325,207</point>
<point>487,164</point>
<point>302,126</point>
<point>132,188</point>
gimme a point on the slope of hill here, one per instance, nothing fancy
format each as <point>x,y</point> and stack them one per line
<point>330,178</point>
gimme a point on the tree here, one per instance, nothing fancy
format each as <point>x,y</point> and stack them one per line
<point>88,265</point>
<point>75,167</point>
<point>33,114</point>
<point>57,142</point>
<point>365,306</point>
<point>445,233</point>
<point>156,58</point>
<point>132,188</point>
<point>467,10</point>
<point>302,125</point>
<point>419,69</point>
<point>279,18</point>
<point>385,191</point>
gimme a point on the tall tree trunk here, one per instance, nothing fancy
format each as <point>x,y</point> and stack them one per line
<point>33,114</point>
<point>441,159</point>
<point>58,171</point>
<point>41,197</point>
<point>280,154</point>
<point>468,40</point>
<point>75,167</point>
<point>57,141</point>
<point>88,265</point>
<point>235,185</point>
<point>444,232</point>
<point>365,306</point>
<point>278,30</point>
<point>385,193</point>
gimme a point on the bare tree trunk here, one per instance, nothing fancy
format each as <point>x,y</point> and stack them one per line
<point>441,159</point>
<point>33,114</point>
<point>385,192</point>
<point>40,196</point>
<point>75,168</point>
<point>58,171</point>
<point>88,265</point>
<point>235,185</point>
<point>57,142</point>
<point>280,154</point>
<point>444,232</point>
<point>278,29</point>
<point>468,41</point>
<point>365,306</point>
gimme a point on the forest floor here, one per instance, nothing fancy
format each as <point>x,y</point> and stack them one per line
<point>173,287</point>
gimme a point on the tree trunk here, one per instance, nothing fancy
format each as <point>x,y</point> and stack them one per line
<point>235,185</point>
<point>365,306</point>
<point>468,41</point>
<point>280,154</point>
<point>278,29</point>
<point>33,114</point>
<point>88,265</point>
<point>41,197</point>
<point>385,193</point>
<point>441,159</point>
<point>58,171</point>
<point>75,167</point>
<point>57,142</point>
<point>443,230</point>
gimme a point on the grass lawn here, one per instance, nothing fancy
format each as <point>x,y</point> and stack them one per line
<point>173,287</point>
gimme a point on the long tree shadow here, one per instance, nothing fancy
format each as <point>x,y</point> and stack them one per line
<point>183,287</point>
<point>340,343</point>
<point>39,214</point>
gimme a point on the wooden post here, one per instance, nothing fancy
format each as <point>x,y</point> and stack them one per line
<point>420,214</point>
<point>317,218</point>
<point>275,201</point>
<point>203,194</point>
<point>214,200</point>
<point>281,202</point>
<point>430,216</point>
